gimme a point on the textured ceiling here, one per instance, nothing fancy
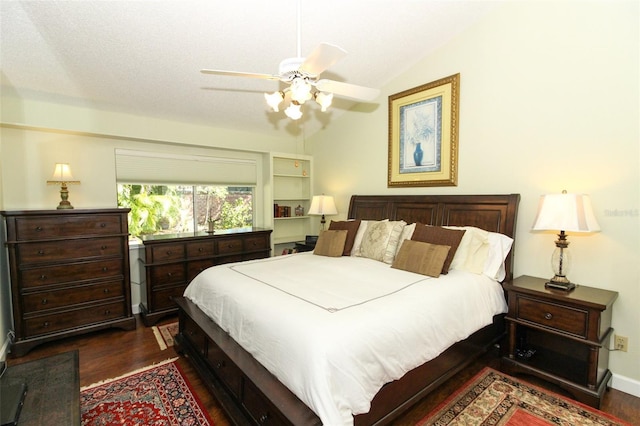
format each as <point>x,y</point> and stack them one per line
<point>144,57</point>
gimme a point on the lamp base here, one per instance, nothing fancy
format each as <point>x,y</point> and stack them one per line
<point>560,285</point>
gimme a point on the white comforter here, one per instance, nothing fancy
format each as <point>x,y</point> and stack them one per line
<point>335,330</point>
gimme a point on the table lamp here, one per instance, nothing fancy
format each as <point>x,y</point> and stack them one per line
<point>62,175</point>
<point>322,205</point>
<point>564,212</point>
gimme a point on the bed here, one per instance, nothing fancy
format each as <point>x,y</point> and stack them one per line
<point>253,389</point>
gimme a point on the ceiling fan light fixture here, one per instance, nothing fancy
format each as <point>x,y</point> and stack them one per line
<point>300,90</point>
<point>274,99</point>
<point>293,111</point>
<point>323,99</point>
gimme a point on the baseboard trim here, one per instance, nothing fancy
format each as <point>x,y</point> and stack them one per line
<point>626,385</point>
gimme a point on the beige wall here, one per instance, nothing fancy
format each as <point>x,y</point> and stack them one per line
<point>549,100</point>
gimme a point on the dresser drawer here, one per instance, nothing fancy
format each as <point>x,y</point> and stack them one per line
<point>230,245</point>
<point>163,299</point>
<point>256,243</point>
<point>262,411</point>
<point>37,228</point>
<point>194,334</point>
<point>172,273</point>
<point>562,318</point>
<point>197,266</point>
<point>56,251</point>
<point>53,299</point>
<point>76,318</point>
<point>200,249</point>
<point>60,274</point>
<point>226,370</point>
<point>167,252</point>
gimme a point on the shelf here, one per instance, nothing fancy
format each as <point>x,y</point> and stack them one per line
<point>291,176</point>
<point>291,217</point>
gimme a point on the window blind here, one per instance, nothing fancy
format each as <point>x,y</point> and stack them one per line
<point>167,168</point>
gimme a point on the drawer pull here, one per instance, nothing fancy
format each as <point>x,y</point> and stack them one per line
<point>105,269</point>
<point>200,249</point>
<point>103,247</point>
<point>38,228</point>
<point>44,301</point>
<point>220,364</point>
<point>107,311</point>
<point>230,246</point>
<point>169,252</point>
<point>548,316</point>
<point>46,324</point>
<point>106,290</point>
<point>41,252</point>
<point>263,418</point>
<point>43,277</point>
<point>169,274</point>
<point>103,225</point>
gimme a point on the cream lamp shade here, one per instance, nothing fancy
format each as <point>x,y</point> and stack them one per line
<point>322,205</point>
<point>564,212</point>
<point>62,176</point>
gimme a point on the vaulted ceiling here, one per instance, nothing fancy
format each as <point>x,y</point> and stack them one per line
<point>145,57</point>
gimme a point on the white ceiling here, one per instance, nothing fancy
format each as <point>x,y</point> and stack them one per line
<point>144,57</point>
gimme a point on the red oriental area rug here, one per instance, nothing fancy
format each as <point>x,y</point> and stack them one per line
<point>492,398</point>
<point>156,395</point>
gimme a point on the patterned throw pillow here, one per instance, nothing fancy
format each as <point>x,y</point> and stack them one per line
<point>380,240</point>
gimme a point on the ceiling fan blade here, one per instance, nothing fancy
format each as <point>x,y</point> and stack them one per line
<point>347,90</point>
<point>322,57</point>
<point>241,74</point>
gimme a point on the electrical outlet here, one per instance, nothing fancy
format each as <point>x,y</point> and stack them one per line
<point>620,343</point>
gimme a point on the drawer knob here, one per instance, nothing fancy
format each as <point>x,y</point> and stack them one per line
<point>548,316</point>
<point>38,228</point>
<point>200,249</point>
<point>107,311</point>
<point>41,252</point>
<point>46,324</point>
<point>105,269</point>
<point>43,277</point>
<point>169,274</point>
<point>220,364</point>
<point>263,418</point>
<point>106,290</point>
<point>103,225</point>
<point>44,301</point>
<point>103,247</point>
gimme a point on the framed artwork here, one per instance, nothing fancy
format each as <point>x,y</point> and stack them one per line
<point>423,135</point>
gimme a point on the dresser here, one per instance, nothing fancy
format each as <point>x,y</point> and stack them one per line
<point>69,273</point>
<point>172,261</point>
<point>561,337</point>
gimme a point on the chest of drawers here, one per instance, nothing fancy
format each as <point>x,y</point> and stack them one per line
<point>560,337</point>
<point>69,273</point>
<point>172,261</point>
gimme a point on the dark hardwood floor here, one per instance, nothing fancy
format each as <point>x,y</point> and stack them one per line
<point>112,353</point>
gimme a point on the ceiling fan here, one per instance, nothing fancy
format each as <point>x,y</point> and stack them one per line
<point>302,76</point>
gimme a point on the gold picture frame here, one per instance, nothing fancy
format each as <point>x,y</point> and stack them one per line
<point>423,135</point>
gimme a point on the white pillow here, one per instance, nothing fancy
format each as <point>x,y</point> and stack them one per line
<point>499,247</point>
<point>473,250</point>
<point>406,234</point>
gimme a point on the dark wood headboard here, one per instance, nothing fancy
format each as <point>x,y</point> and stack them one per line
<point>494,213</point>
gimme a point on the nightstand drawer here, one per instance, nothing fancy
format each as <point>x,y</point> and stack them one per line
<point>558,317</point>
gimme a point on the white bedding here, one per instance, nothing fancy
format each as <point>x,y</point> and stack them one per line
<point>335,330</point>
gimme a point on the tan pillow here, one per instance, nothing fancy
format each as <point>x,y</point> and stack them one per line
<point>421,258</point>
<point>440,236</point>
<point>331,243</point>
<point>352,227</point>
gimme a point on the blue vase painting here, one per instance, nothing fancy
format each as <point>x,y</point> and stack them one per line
<point>418,154</point>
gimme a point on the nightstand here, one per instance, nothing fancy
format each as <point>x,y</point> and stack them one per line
<point>302,246</point>
<point>561,337</point>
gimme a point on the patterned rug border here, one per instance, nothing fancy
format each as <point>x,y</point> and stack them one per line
<point>471,383</point>
<point>158,333</point>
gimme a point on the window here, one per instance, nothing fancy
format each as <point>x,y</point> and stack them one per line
<point>170,209</point>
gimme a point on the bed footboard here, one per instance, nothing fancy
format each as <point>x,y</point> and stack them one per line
<point>250,394</point>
